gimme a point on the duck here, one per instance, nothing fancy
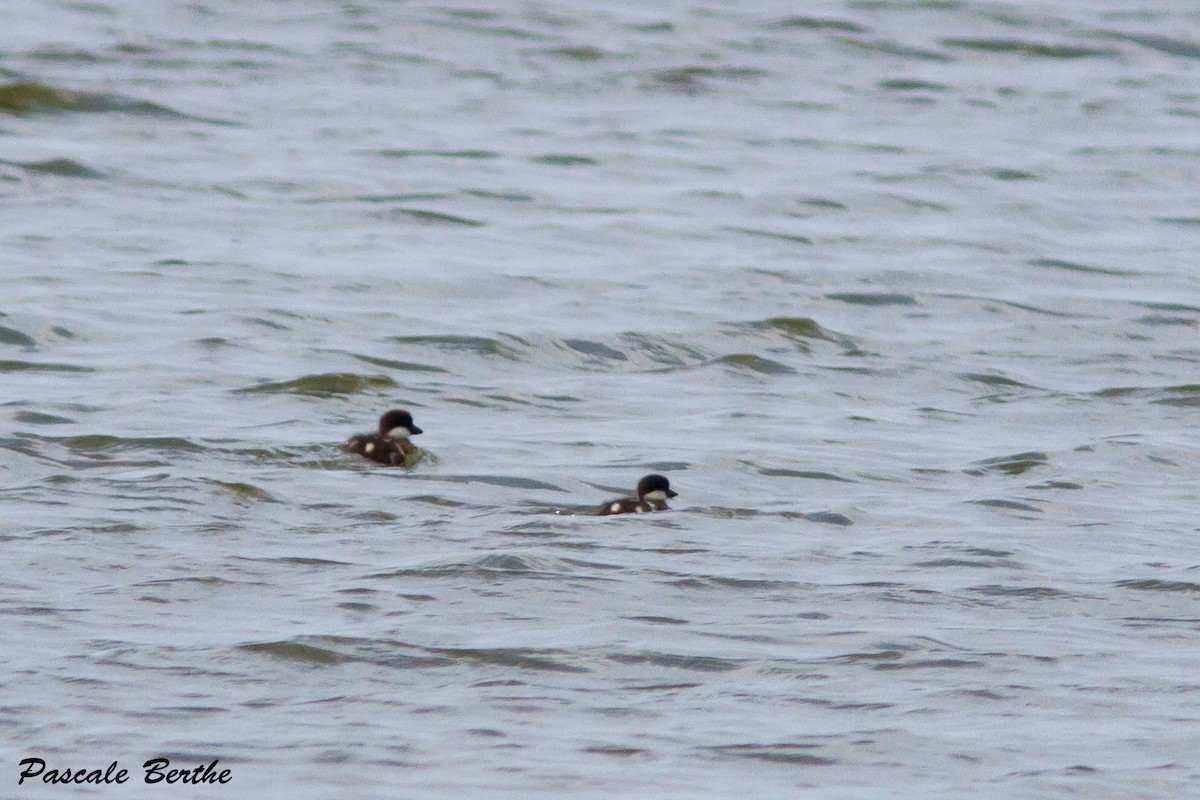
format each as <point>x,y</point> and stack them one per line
<point>652,494</point>
<point>390,445</point>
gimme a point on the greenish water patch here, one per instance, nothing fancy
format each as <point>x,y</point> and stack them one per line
<point>651,27</point>
<point>476,15</point>
<point>511,197</point>
<point>540,660</point>
<point>434,217</point>
<point>63,167</point>
<point>405,366</point>
<point>244,492</point>
<point>468,155</point>
<point>466,401</point>
<point>38,418</point>
<point>295,651</point>
<point>1162,320</point>
<point>15,337</point>
<point>446,571</point>
<point>912,85</point>
<point>791,754</point>
<point>509,481</point>
<point>301,561</point>
<point>595,350</point>
<point>954,563</point>
<point>1184,395</point>
<point>999,381</point>
<point>1186,48</point>
<point>748,362</point>
<point>660,350</point>
<point>99,441</point>
<point>614,750</point>
<point>436,500</point>
<point>385,199</point>
<point>1120,391</point>
<point>1011,505</point>
<point>267,323</point>
<point>891,48</point>
<point>330,650</point>
<point>1178,307</point>
<point>816,24</point>
<point>1069,266</point>
<point>655,620</point>
<point>823,202</point>
<point>30,366</point>
<point>585,53</point>
<point>668,466</point>
<point>479,345</point>
<point>873,298</point>
<point>741,584</point>
<point>825,518</point>
<point>1017,464</point>
<point>800,331</point>
<point>1027,48</point>
<point>1157,585</point>
<point>502,565</point>
<point>324,385</point>
<point>694,79</point>
<point>1187,394</point>
<point>358,607</point>
<point>677,661</point>
<point>872,657</point>
<point>929,663</point>
<point>1032,592</point>
<point>989,302</point>
<point>781,237</point>
<point>564,160</point>
<point>728,512</point>
<point>1005,174</point>
<point>130,48</point>
<point>28,97</point>
<point>796,473</point>
<point>69,56</point>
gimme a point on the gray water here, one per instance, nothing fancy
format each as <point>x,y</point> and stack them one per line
<point>902,296</point>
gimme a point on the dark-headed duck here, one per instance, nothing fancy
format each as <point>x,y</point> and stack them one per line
<point>390,445</point>
<point>652,494</point>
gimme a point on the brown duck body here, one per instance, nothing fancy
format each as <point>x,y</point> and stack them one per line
<point>631,505</point>
<point>652,494</point>
<point>390,445</point>
<point>383,449</point>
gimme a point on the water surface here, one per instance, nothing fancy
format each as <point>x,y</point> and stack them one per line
<point>901,296</point>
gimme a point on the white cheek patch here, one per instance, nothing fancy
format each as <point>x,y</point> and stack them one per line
<point>657,494</point>
<point>615,507</point>
<point>370,448</point>
<point>400,432</point>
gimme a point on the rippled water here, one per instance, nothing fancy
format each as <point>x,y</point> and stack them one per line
<point>901,295</point>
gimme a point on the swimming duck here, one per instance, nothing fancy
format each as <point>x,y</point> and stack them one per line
<point>390,446</point>
<point>652,494</point>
